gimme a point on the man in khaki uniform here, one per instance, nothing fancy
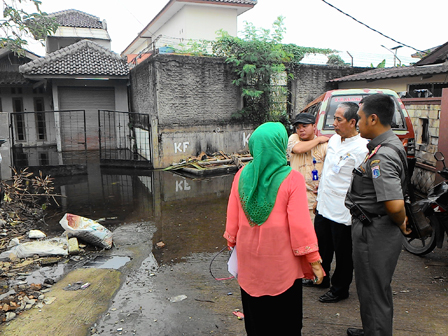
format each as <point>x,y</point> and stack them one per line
<point>303,146</point>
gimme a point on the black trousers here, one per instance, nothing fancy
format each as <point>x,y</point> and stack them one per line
<point>274,315</point>
<point>335,239</point>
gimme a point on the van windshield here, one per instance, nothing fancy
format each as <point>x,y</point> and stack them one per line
<point>398,121</point>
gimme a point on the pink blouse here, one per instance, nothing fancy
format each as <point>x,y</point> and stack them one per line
<point>273,255</point>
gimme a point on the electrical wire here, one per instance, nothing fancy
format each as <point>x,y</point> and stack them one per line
<point>376,31</point>
<point>210,266</point>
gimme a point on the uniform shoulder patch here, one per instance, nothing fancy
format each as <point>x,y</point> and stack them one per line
<point>374,162</point>
<point>376,171</point>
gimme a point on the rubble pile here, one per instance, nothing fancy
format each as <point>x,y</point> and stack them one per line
<point>21,296</point>
<point>216,162</point>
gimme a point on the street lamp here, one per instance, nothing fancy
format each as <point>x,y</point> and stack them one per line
<point>394,52</point>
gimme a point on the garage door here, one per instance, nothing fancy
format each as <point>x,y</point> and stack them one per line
<point>90,99</point>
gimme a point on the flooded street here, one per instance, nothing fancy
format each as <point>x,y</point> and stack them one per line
<point>139,288</point>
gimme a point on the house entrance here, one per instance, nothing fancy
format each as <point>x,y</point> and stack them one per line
<point>124,139</point>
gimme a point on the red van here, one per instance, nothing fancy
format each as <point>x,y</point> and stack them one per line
<point>324,107</point>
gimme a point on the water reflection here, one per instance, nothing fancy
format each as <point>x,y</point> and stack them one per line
<point>189,214</point>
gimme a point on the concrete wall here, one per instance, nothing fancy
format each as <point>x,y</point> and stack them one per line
<point>190,101</point>
<point>397,84</point>
<point>310,82</point>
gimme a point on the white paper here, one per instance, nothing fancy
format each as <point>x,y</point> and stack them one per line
<point>232,264</point>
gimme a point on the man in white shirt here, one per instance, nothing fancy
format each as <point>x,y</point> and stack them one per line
<point>346,151</point>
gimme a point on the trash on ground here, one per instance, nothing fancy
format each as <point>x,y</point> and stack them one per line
<point>73,247</point>
<point>160,244</point>
<point>178,298</point>
<point>77,286</point>
<point>87,229</point>
<point>54,246</point>
<point>36,234</point>
<point>238,314</point>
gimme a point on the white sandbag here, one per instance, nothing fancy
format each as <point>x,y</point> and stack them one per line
<point>87,229</point>
<point>36,234</point>
<point>50,247</point>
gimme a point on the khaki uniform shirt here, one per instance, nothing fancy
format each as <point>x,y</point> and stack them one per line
<point>304,164</point>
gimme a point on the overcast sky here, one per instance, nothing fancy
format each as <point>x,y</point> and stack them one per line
<point>309,23</point>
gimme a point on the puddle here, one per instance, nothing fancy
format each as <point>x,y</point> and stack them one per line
<point>188,214</point>
<point>48,272</point>
<point>107,262</point>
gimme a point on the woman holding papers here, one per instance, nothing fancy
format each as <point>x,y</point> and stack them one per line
<point>268,220</point>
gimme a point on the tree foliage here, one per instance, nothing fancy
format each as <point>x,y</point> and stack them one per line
<point>18,24</point>
<point>380,65</point>
<point>260,62</point>
<point>336,60</point>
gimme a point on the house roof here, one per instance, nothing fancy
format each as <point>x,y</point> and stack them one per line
<point>84,58</point>
<point>173,6</point>
<point>76,18</point>
<point>438,55</point>
<point>12,78</point>
<point>388,73</point>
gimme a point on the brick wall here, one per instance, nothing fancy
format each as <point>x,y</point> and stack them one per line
<point>425,116</point>
<point>310,82</point>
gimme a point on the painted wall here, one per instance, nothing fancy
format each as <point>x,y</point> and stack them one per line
<point>397,84</point>
<point>203,22</point>
<point>5,149</point>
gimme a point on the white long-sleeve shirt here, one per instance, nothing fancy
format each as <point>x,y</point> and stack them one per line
<point>341,158</point>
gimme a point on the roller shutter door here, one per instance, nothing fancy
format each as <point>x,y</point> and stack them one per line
<point>90,99</point>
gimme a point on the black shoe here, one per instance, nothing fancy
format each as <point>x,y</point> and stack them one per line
<point>310,283</point>
<point>355,332</point>
<point>329,297</point>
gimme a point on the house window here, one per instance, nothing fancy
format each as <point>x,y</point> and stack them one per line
<point>40,118</point>
<point>16,90</point>
<point>43,159</point>
<point>38,90</point>
<point>427,90</point>
<point>17,106</point>
<point>423,131</point>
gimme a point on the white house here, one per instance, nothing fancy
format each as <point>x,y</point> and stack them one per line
<point>183,20</point>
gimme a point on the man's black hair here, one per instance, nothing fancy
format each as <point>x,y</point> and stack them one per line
<point>380,104</point>
<point>350,110</point>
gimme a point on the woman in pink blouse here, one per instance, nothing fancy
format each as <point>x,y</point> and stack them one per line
<point>268,219</point>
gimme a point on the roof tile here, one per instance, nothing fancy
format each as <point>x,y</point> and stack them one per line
<point>398,72</point>
<point>76,18</point>
<point>82,58</point>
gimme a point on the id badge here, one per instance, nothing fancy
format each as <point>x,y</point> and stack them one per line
<point>336,169</point>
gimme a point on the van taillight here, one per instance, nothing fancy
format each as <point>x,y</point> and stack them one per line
<point>409,145</point>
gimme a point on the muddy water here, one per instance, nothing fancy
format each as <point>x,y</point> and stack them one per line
<point>188,213</point>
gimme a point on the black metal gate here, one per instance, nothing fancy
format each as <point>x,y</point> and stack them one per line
<point>124,138</point>
<point>36,137</point>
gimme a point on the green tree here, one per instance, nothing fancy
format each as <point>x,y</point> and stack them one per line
<point>380,65</point>
<point>18,24</point>
<point>336,60</point>
<point>258,60</point>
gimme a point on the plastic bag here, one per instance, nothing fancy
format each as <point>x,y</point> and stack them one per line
<point>50,247</point>
<point>87,229</point>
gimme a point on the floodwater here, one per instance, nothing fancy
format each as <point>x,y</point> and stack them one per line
<point>188,213</point>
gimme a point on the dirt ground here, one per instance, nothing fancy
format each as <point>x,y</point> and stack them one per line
<point>420,301</point>
<point>143,303</point>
